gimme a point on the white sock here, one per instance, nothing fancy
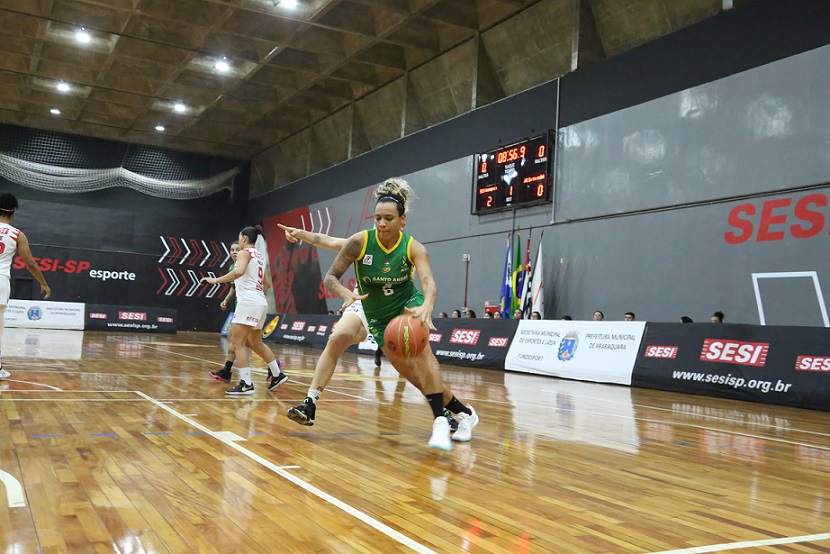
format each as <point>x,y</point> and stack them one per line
<point>275,369</point>
<point>314,394</point>
<point>245,375</point>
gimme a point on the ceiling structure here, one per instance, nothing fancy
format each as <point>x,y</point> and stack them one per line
<point>234,78</point>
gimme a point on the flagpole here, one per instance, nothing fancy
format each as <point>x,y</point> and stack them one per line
<point>466,259</point>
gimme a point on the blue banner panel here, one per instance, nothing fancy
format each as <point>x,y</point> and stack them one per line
<point>130,319</point>
<point>773,364</point>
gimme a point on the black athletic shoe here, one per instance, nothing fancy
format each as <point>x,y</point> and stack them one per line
<point>377,358</point>
<point>452,420</point>
<point>304,413</point>
<point>241,389</point>
<point>221,375</point>
<point>270,375</point>
<point>277,381</point>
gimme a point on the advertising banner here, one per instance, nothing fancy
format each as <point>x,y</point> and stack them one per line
<point>472,342</point>
<point>601,351</point>
<point>130,319</point>
<point>467,342</point>
<point>42,314</point>
<point>304,329</point>
<point>770,364</point>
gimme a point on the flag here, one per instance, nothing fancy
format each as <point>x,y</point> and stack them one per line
<point>518,277</point>
<point>525,292</point>
<point>537,291</point>
<point>506,300</point>
<point>527,299</point>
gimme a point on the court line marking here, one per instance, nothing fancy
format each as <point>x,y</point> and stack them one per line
<point>35,384</point>
<point>372,522</point>
<point>746,544</point>
<point>14,492</point>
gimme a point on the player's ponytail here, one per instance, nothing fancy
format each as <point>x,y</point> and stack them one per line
<point>251,233</point>
<point>396,190</point>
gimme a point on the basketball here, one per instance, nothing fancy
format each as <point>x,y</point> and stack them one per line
<point>406,336</point>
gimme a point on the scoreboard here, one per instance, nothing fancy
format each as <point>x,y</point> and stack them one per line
<point>514,176</point>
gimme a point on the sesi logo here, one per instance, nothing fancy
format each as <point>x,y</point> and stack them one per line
<point>464,336</point>
<point>132,316</point>
<point>735,352</point>
<point>163,319</point>
<point>97,315</point>
<point>298,326</point>
<point>498,342</point>
<point>812,363</point>
<point>435,337</point>
<point>666,352</point>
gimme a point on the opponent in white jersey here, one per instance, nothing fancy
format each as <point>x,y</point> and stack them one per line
<point>13,242</point>
<point>251,283</point>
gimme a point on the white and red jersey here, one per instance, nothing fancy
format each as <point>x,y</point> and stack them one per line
<point>249,287</point>
<point>8,247</point>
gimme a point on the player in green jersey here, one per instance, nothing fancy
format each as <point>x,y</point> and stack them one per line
<point>353,328</point>
<point>383,259</point>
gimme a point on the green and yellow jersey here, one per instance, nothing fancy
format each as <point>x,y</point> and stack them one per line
<point>386,276</point>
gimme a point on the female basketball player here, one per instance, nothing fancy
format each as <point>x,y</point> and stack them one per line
<point>224,374</point>
<point>251,283</point>
<point>12,240</point>
<point>383,258</point>
<point>353,328</point>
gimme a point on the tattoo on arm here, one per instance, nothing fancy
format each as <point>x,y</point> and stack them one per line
<point>316,238</point>
<point>348,254</point>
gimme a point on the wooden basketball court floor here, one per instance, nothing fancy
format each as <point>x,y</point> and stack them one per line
<point>122,443</point>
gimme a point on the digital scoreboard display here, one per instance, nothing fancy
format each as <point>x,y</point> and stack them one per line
<point>513,176</point>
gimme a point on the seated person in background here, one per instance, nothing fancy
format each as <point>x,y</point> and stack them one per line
<point>686,319</point>
<point>535,315</point>
<point>471,313</point>
<point>599,316</point>
<point>717,317</point>
<point>456,314</point>
<point>442,314</point>
<point>518,314</point>
<point>497,315</point>
<point>567,318</point>
<point>488,315</point>
<point>629,316</point>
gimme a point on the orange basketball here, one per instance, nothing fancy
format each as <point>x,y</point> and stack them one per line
<point>406,336</point>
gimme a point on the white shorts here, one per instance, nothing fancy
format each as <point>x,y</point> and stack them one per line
<point>5,291</point>
<point>250,314</point>
<point>357,308</point>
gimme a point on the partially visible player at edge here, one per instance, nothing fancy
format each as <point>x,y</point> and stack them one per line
<point>13,241</point>
<point>353,328</point>
<point>251,283</point>
<point>383,258</point>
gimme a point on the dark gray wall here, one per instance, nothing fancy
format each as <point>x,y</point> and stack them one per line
<point>647,195</point>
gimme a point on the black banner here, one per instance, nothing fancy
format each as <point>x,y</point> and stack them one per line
<point>472,342</point>
<point>304,329</point>
<point>467,342</point>
<point>773,365</point>
<point>130,319</point>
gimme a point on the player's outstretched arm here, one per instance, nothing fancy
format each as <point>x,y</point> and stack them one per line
<point>320,240</point>
<point>26,254</point>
